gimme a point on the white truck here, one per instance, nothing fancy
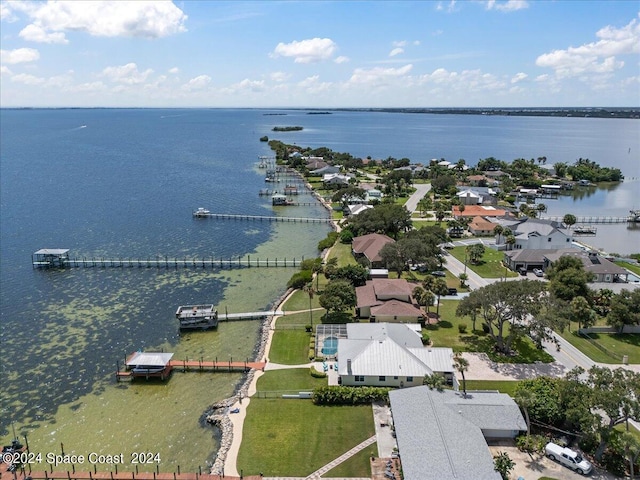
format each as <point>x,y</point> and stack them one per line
<point>568,458</point>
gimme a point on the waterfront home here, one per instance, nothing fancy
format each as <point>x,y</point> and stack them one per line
<point>366,249</point>
<point>480,226</point>
<point>536,233</point>
<point>325,170</point>
<point>471,211</point>
<point>356,209</point>
<point>390,355</point>
<point>387,300</point>
<point>336,179</point>
<point>442,435</point>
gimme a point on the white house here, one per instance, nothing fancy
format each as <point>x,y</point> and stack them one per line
<point>336,179</point>
<point>538,234</point>
<point>389,354</point>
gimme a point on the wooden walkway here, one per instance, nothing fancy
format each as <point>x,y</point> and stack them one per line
<point>96,475</point>
<point>248,315</point>
<point>601,220</point>
<point>261,218</point>
<point>196,366</point>
<point>246,262</point>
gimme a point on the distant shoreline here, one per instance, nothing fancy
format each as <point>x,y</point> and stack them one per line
<point>561,112</point>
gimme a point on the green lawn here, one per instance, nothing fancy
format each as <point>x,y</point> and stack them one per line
<point>295,437</point>
<point>446,334</point>
<point>290,379</point>
<point>357,466</point>
<point>342,251</point>
<point>503,386</point>
<point>630,266</point>
<point>489,267</point>
<point>290,347</point>
<point>300,300</point>
<point>619,344</point>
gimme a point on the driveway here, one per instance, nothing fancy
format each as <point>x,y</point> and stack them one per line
<point>421,190</point>
<point>532,468</point>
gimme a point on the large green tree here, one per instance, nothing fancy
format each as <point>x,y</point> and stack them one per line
<point>625,309</point>
<point>387,218</point>
<point>508,309</point>
<point>338,296</point>
<point>568,279</point>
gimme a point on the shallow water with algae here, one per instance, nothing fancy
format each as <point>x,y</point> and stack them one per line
<point>124,186</point>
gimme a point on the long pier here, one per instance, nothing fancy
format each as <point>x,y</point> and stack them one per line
<point>167,263</point>
<point>75,474</point>
<point>248,315</point>
<point>596,219</point>
<point>196,366</point>
<point>228,216</point>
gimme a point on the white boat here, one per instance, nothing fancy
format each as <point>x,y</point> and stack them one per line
<point>201,212</point>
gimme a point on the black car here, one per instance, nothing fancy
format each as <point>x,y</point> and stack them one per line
<point>438,274</point>
<point>453,291</point>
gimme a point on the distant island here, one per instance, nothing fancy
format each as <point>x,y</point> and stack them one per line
<point>318,113</point>
<point>594,112</point>
<point>274,114</point>
<point>286,129</point>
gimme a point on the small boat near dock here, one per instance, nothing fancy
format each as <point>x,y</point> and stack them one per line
<point>197,317</point>
<point>148,365</point>
<point>201,212</point>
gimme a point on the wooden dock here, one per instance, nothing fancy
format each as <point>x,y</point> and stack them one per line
<point>166,262</point>
<point>248,315</point>
<point>599,220</point>
<point>200,365</point>
<point>227,216</point>
<point>74,474</point>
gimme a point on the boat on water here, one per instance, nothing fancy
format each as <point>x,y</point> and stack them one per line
<point>197,317</point>
<point>201,212</point>
<point>585,230</point>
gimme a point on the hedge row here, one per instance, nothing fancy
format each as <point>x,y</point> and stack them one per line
<point>340,395</point>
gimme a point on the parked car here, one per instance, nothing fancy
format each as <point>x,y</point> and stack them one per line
<point>453,291</point>
<point>522,271</point>
<point>438,274</point>
<point>538,272</point>
<point>568,458</point>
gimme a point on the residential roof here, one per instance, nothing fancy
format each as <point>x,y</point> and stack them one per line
<point>596,264</point>
<point>392,286</point>
<point>52,251</point>
<point>537,225</point>
<point>475,210</point>
<point>439,436</point>
<point>149,359</point>
<point>479,223</point>
<point>370,245</point>
<point>529,255</point>
<point>396,308</point>
<point>359,208</point>
<point>389,349</point>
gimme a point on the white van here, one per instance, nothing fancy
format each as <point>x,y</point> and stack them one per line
<point>568,458</point>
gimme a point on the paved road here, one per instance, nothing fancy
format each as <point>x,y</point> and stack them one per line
<point>421,190</point>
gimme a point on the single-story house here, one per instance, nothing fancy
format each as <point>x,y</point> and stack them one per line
<point>336,179</point>
<point>471,211</point>
<point>602,269</point>
<point>477,180</point>
<point>357,208</point>
<point>366,249</point>
<point>469,197</point>
<point>481,226</point>
<point>441,435</point>
<point>389,354</point>
<point>326,169</point>
<point>387,300</point>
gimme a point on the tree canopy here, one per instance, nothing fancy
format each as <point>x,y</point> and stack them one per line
<point>387,218</point>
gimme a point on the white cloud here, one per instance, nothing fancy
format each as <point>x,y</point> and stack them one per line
<point>174,70</point>
<point>6,13</point>
<point>197,83</point>
<point>306,51</point>
<point>279,77</point>
<point>27,79</point>
<point>90,87</point>
<point>508,6</point>
<point>314,85</point>
<point>595,57</point>
<point>19,55</point>
<point>465,81</point>
<point>341,59</point>
<point>518,77</point>
<point>450,8</point>
<point>250,85</point>
<point>148,19</point>
<point>4,70</point>
<point>396,51</point>
<point>126,74</point>
<point>400,43</point>
<point>378,74</point>
<point>35,33</point>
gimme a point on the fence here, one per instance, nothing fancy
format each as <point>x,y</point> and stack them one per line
<point>625,329</point>
<point>601,347</point>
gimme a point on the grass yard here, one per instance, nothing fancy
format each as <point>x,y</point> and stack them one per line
<point>342,251</point>
<point>357,466</point>
<point>629,266</point>
<point>289,379</point>
<point>503,386</point>
<point>300,300</point>
<point>619,344</point>
<point>290,347</point>
<point>295,437</point>
<point>489,267</point>
<point>446,334</point>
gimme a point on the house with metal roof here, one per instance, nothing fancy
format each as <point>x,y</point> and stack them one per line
<point>536,233</point>
<point>389,354</point>
<point>442,435</point>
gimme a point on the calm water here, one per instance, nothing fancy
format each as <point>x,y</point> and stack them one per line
<point>123,183</point>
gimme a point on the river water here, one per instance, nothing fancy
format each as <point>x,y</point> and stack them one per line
<point>123,183</point>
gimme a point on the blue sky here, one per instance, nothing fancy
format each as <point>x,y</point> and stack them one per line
<point>496,53</point>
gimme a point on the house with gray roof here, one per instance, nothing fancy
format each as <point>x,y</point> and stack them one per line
<point>389,354</point>
<point>536,233</point>
<point>442,435</point>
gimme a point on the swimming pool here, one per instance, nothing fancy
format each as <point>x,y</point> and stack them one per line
<point>330,346</point>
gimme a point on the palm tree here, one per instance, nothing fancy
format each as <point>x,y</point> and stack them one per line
<point>569,219</point>
<point>525,399</point>
<point>511,241</point>
<point>440,288</point>
<point>462,365</point>
<point>497,230</point>
<point>463,279</point>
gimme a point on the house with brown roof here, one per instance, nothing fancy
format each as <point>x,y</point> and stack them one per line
<point>366,249</point>
<point>481,226</point>
<point>471,211</point>
<point>387,300</point>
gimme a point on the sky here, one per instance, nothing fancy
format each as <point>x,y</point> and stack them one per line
<point>320,54</point>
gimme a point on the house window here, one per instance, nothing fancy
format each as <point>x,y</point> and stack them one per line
<point>395,377</point>
<point>568,239</point>
<point>359,378</point>
<point>549,239</point>
<point>409,379</point>
<point>382,378</point>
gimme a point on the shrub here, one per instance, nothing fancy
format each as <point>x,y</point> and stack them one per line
<point>462,327</point>
<point>346,236</point>
<point>328,241</point>
<point>425,338</point>
<point>300,279</point>
<point>340,395</point>
<point>308,328</point>
<point>531,444</point>
<point>485,328</point>
<point>312,353</point>
<point>316,374</point>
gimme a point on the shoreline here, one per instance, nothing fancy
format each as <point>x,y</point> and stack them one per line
<point>218,415</point>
